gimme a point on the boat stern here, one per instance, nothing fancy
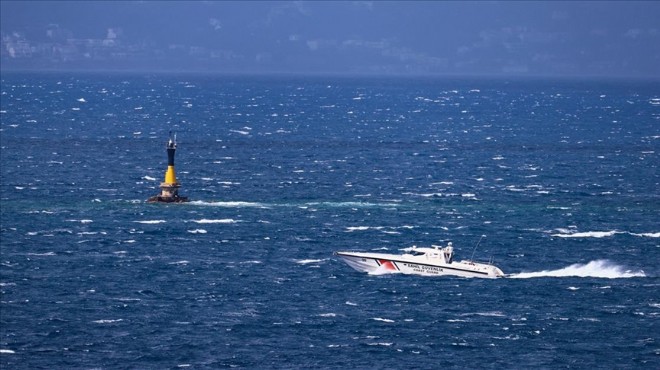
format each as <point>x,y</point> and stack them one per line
<point>495,272</point>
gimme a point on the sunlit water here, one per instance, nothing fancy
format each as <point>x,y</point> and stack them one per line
<point>561,177</point>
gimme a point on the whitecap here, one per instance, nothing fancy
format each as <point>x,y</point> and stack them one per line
<point>197,231</point>
<point>588,234</point>
<point>230,204</point>
<point>382,319</point>
<point>330,314</point>
<point>219,221</point>
<point>304,262</point>
<point>7,351</point>
<point>240,132</point>
<point>648,235</point>
<point>107,321</point>
<point>149,178</point>
<point>357,228</point>
<point>151,222</point>
<point>485,314</point>
<point>86,221</point>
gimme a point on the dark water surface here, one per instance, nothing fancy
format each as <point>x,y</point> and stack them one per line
<point>561,177</point>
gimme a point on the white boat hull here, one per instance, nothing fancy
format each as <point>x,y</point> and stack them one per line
<point>389,263</point>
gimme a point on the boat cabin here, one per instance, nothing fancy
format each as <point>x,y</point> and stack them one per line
<point>445,255</point>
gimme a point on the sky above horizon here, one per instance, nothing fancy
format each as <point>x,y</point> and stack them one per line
<point>494,38</point>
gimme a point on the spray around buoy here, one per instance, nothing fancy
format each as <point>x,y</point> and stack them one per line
<point>169,189</point>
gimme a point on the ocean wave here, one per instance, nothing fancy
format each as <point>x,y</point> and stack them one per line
<point>351,204</point>
<point>230,204</point>
<point>42,254</point>
<point>219,221</point>
<point>358,228</point>
<point>563,233</point>
<point>597,268</point>
<point>305,262</point>
<point>151,222</point>
<point>107,321</point>
<point>383,229</point>
<point>588,234</point>
<point>82,221</point>
<point>382,319</point>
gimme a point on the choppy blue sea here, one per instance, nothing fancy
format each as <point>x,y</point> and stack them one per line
<point>562,178</point>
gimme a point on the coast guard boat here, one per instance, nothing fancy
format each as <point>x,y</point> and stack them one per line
<point>433,261</point>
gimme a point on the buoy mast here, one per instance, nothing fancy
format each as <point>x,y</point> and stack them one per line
<point>170,187</point>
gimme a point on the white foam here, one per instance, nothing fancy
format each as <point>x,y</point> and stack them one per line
<point>220,221</point>
<point>304,262</point>
<point>107,321</point>
<point>230,204</point>
<point>197,231</point>
<point>598,268</point>
<point>151,222</point>
<point>7,351</point>
<point>648,235</point>
<point>565,233</point>
<point>382,319</point>
<point>588,234</point>
<point>357,228</point>
<point>82,221</point>
<point>149,178</point>
<point>240,132</point>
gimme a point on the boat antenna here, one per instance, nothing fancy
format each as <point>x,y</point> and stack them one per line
<point>475,247</point>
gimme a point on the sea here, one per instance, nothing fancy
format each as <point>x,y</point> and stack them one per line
<point>555,181</point>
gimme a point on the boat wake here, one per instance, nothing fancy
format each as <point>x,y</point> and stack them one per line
<point>230,204</point>
<point>306,205</point>
<point>598,268</point>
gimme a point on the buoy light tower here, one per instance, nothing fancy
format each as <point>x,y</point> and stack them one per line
<point>169,189</point>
